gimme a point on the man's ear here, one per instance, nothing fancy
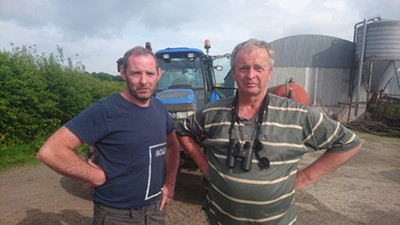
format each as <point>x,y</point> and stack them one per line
<point>233,74</point>
<point>270,73</point>
<point>158,73</point>
<point>122,72</point>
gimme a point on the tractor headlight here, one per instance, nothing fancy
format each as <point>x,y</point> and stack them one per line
<point>181,115</point>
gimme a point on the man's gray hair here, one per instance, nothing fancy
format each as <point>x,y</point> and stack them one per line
<point>250,44</point>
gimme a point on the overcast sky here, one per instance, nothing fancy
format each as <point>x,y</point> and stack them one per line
<point>97,33</point>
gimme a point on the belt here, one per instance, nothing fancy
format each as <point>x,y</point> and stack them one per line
<point>123,211</point>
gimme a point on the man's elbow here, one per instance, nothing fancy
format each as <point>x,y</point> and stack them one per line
<point>43,154</point>
<point>356,149</point>
<point>40,155</point>
<point>186,142</point>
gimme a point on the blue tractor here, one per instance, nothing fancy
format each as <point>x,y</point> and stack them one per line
<point>187,83</point>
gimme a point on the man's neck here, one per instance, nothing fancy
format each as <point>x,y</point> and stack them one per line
<point>249,106</point>
<point>126,95</point>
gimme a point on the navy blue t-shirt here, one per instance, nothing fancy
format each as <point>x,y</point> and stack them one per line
<point>131,144</point>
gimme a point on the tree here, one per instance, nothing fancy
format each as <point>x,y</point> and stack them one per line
<point>38,93</point>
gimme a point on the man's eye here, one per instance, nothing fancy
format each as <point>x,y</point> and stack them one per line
<point>136,73</point>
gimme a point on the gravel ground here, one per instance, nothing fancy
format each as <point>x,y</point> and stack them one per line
<point>366,190</point>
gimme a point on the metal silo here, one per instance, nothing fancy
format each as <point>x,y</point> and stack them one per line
<point>377,57</point>
<point>382,40</point>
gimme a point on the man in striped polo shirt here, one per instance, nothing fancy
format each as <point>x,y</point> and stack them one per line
<point>253,142</point>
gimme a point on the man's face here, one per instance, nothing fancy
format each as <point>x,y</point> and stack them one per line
<point>141,76</point>
<point>252,71</point>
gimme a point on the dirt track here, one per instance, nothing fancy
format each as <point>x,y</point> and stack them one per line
<point>364,191</point>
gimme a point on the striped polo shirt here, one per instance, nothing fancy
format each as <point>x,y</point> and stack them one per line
<point>261,195</point>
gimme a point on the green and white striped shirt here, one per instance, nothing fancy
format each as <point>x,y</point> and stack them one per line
<point>261,196</point>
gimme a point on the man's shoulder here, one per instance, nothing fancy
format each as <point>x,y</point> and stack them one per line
<point>111,99</point>
<point>156,101</point>
<point>222,104</point>
<point>113,105</point>
<point>158,104</point>
<point>277,101</point>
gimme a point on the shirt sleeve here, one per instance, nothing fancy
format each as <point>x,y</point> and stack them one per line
<point>193,126</point>
<point>90,125</point>
<point>328,134</point>
<point>170,123</point>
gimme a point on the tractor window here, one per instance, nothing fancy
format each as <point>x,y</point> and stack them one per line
<point>223,78</point>
<point>180,73</point>
<point>220,76</point>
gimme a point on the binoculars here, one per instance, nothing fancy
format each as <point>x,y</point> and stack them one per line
<point>245,152</point>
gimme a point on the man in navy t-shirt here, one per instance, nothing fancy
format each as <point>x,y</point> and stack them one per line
<point>134,138</point>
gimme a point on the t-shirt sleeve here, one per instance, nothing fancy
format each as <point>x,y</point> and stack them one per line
<point>90,125</point>
<point>164,112</point>
<point>170,123</point>
<point>193,126</point>
<point>328,134</point>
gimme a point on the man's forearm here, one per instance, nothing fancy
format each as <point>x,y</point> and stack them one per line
<point>195,153</point>
<point>57,153</point>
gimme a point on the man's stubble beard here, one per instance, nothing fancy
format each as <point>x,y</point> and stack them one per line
<point>139,97</point>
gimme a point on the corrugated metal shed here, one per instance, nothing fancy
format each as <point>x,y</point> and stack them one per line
<point>325,86</point>
<point>313,51</point>
<point>320,64</point>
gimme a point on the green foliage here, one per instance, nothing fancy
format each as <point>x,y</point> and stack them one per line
<point>107,77</point>
<point>14,155</point>
<point>81,150</point>
<point>39,93</point>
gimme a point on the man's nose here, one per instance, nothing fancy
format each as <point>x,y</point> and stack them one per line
<point>251,73</point>
<point>143,78</point>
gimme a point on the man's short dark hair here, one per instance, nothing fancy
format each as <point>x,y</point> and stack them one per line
<point>138,51</point>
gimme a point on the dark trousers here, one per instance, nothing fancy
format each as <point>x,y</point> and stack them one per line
<point>149,215</point>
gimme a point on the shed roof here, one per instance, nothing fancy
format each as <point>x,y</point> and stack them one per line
<point>313,51</point>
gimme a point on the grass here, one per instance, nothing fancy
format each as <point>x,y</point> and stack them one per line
<point>24,154</point>
<point>16,155</point>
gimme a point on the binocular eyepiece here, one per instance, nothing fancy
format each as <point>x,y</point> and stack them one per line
<point>245,152</point>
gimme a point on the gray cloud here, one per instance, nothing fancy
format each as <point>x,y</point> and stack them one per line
<point>101,31</point>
